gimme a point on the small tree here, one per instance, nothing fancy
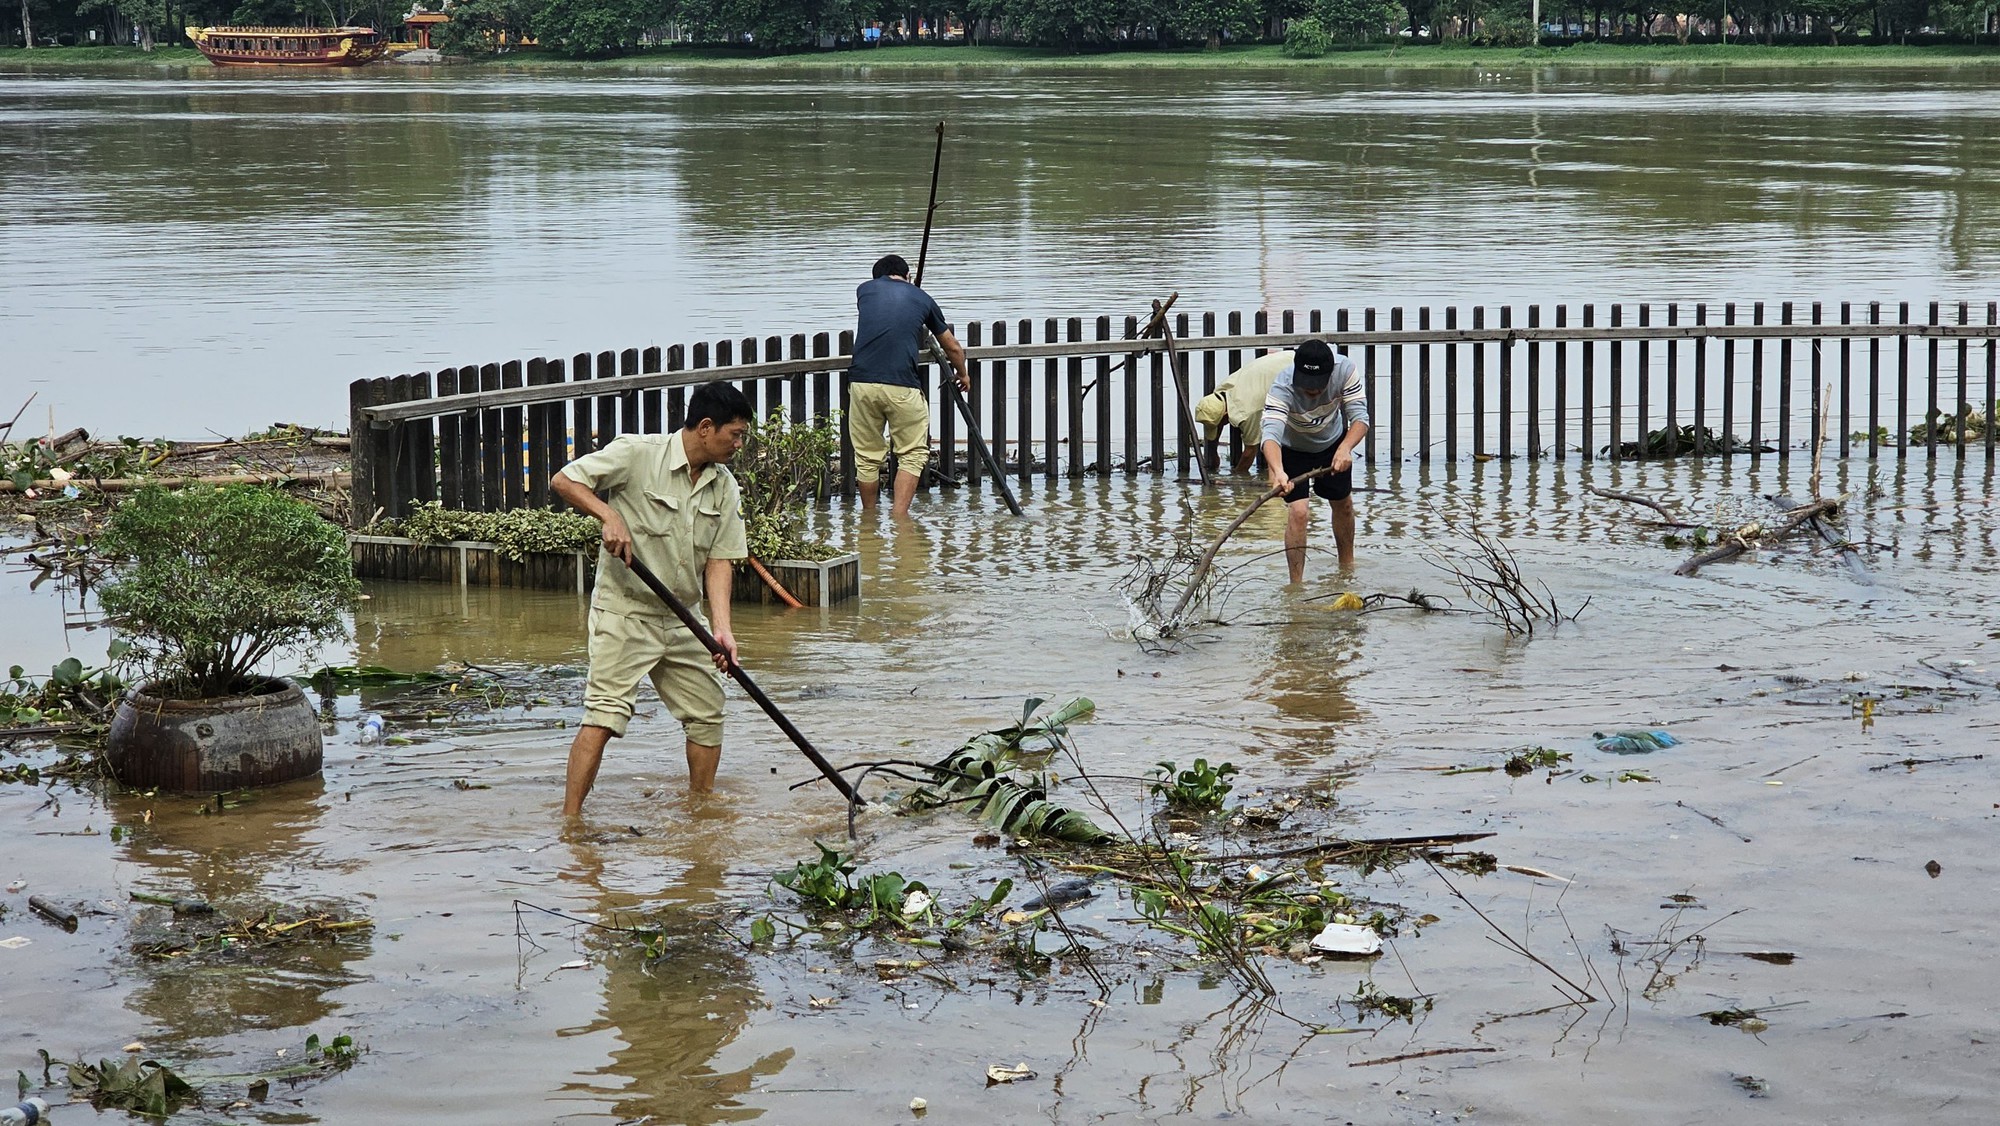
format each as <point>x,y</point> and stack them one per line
<point>1306,39</point>
<point>781,469</point>
<point>145,15</point>
<point>478,27</point>
<point>206,583</point>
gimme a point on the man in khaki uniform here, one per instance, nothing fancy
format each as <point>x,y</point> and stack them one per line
<point>1239,402</point>
<point>671,501</point>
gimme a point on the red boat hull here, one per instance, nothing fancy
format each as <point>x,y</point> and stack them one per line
<point>289,46</point>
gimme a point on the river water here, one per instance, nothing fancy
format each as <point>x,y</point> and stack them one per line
<point>209,251</point>
<point>193,236</point>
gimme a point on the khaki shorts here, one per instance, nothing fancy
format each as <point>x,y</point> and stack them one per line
<point>903,412</point>
<point>624,648</point>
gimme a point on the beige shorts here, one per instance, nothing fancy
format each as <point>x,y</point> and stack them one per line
<point>872,409</point>
<point>625,648</point>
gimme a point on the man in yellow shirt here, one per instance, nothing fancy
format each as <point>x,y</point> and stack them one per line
<point>1239,401</point>
<point>671,502</point>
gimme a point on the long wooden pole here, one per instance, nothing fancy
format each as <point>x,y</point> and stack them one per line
<point>707,639</point>
<point>1189,433</point>
<point>972,433</point>
<point>930,213</point>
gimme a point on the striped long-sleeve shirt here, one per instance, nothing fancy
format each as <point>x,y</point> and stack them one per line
<point>1311,423</point>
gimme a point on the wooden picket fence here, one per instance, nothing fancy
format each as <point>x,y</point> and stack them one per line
<point>1056,401</point>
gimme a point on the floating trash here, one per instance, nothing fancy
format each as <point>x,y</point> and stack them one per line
<point>1001,1073</point>
<point>1346,938</point>
<point>1634,742</point>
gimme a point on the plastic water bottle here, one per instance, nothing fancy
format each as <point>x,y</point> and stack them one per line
<point>24,1114</point>
<point>371,729</point>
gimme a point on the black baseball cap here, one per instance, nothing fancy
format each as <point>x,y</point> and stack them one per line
<point>1312,365</point>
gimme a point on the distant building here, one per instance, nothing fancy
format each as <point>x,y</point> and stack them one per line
<point>417,28</point>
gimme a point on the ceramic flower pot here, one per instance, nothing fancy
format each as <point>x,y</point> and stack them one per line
<point>269,735</point>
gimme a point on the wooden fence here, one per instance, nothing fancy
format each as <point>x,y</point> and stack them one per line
<point>1070,398</point>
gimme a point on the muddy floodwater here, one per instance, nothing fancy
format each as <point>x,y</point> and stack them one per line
<point>213,250</point>
<point>1836,738</point>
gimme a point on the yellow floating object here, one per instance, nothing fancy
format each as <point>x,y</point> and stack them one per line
<point>1348,601</point>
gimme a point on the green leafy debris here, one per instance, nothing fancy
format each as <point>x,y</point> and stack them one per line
<point>141,1086</point>
<point>1527,761</point>
<point>515,533</point>
<point>978,774</point>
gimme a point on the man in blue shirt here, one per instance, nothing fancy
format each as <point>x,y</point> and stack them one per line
<point>886,408</point>
<point>1316,415</point>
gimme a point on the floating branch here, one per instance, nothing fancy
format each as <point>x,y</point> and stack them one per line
<point>1192,576</point>
<point>1672,516</point>
<point>1754,534</point>
<point>1491,577</point>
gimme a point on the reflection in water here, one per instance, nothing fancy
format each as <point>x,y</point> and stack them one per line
<point>1314,658</point>
<point>240,860</point>
<point>645,193</point>
<point>672,1015</point>
<point>416,626</point>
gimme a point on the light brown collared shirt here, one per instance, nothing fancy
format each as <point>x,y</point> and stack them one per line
<point>678,524</point>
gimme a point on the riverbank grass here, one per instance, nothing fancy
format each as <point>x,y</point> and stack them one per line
<point>1587,56</point>
<point>1272,57</point>
<point>161,55</point>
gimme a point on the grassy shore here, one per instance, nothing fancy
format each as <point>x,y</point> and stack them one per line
<point>1582,56</point>
<point>162,55</point>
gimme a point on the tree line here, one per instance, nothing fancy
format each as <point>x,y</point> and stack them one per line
<point>596,28</point>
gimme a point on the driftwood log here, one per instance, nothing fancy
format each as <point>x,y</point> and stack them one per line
<point>1828,535</point>
<point>1753,535</point>
<point>129,484</point>
<point>1666,514</point>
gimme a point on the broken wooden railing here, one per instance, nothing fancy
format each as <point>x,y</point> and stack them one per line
<point>1070,398</point>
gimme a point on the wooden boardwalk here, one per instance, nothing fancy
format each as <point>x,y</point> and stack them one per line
<point>1073,398</point>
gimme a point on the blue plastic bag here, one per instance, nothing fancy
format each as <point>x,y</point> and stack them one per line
<point>1633,742</point>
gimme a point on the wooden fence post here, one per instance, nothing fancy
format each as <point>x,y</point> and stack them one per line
<point>1615,420</point>
<point>1478,385</point>
<point>513,468</point>
<point>363,454</point>
<point>1395,390</point>
<point>1672,425</point>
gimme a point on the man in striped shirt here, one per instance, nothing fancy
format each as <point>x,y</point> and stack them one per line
<point>1316,415</point>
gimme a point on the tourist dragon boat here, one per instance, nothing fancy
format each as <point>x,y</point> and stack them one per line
<point>289,46</point>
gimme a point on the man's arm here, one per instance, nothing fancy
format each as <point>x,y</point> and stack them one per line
<point>721,580</point>
<point>1249,455</point>
<point>956,354</point>
<point>1277,410</point>
<point>1274,465</point>
<point>617,537</point>
<point>1343,457</point>
<point>1354,404</point>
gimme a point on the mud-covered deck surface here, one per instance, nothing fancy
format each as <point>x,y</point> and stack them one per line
<point>1796,817</point>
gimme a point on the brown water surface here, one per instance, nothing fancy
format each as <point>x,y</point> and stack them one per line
<point>208,250</point>
<point>470,1013</point>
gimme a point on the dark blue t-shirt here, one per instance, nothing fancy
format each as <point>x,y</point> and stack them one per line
<point>886,336</point>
